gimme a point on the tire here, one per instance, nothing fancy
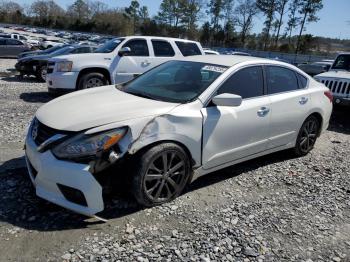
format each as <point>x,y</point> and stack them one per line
<point>91,80</point>
<point>41,73</point>
<point>151,185</point>
<point>307,136</point>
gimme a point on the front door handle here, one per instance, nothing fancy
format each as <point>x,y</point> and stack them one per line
<point>263,111</point>
<point>303,100</point>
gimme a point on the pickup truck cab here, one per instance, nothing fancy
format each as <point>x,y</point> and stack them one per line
<point>118,60</point>
<point>337,79</point>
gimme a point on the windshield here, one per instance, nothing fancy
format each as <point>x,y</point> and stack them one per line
<point>61,51</point>
<point>109,46</point>
<point>52,49</point>
<point>175,81</point>
<point>342,62</point>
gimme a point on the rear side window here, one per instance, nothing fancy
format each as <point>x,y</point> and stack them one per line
<point>280,79</point>
<point>188,49</point>
<point>247,82</point>
<point>138,47</point>
<point>302,81</point>
<point>162,48</point>
<point>13,42</point>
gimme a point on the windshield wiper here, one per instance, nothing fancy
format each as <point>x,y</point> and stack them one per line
<point>141,94</point>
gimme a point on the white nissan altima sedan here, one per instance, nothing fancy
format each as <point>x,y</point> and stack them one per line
<point>171,125</point>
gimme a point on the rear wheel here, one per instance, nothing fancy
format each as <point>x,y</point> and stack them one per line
<point>91,80</point>
<point>307,136</point>
<point>161,175</point>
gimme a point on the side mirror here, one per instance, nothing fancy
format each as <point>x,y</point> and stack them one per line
<point>227,100</point>
<point>123,51</point>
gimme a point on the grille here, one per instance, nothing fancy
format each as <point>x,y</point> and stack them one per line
<point>44,132</point>
<point>50,67</point>
<point>341,87</point>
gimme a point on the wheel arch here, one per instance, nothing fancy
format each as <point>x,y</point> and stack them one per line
<point>85,71</point>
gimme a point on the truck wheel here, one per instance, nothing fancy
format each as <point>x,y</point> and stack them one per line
<point>41,73</point>
<point>160,174</point>
<point>92,80</point>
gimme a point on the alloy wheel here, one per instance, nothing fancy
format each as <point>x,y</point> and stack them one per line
<point>165,176</point>
<point>308,135</point>
<point>94,82</point>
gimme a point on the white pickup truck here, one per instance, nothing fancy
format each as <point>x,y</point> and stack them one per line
<point>117,61</point>
<point>337,79</point>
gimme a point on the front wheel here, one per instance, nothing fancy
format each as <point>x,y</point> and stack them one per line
<point>161,175</point>
<point>91,80</point>
<point>41,73</point>
<point>307,136</point>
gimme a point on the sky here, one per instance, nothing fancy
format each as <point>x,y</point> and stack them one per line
<point>334,17</point>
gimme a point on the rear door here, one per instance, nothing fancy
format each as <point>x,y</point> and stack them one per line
<point>134,63</point>
<point>3,47</point>
<point>290,104</point>
<point>162,51</point>
<point>232,133</point>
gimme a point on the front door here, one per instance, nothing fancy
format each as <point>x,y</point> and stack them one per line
<point>134,63</point>
<point>232,133</point>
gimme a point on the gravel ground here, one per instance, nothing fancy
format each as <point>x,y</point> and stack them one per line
<point>274,208</point>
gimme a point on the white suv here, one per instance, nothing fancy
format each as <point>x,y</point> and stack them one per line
<point>118,60</point>
<point>177,122</point>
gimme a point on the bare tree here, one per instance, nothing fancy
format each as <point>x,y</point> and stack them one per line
<point>244,14</point>
<point>293,20</point>
<point>308,10</point>
<point>280,10</point>
<point>268,7</point>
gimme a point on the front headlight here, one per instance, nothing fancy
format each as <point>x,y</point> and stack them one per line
<point>82,146</point>
<point>64,66</point>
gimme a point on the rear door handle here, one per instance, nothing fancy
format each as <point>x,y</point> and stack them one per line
<point>263,111</point>
<point>303,100</point>
<point>145,63</point>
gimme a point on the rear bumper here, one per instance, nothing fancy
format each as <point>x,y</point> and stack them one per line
<point>56,181</point>
<point>62,81</point>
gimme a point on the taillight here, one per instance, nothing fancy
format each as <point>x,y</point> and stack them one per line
<point>329,95</point>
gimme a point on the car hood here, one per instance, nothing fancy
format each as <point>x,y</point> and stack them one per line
<point>335,74</point>
<point>78,57</point>
<point>98,106</point>
<point>33,57</point>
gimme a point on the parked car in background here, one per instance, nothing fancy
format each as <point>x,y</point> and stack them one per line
<point>316,67</point>
<point>117,61</point>
<point>337,79</point>
<point>210,52</point>
<point>11,47</point>
<point>181,120</point>
<point>41,52</point>
<point>37,64</point>
<point>47,43</point>
<point>30,41</point>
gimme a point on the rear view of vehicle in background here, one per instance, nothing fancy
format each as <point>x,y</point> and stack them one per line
<point>11,47</point>
<point>316,67</point>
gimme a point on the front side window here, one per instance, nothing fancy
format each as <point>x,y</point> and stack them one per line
<point>342,63</point>
<point>175,81</point>
<point>109,46</point>
<point>247,83</point>
<point>280,79</point>
<point>188,49</point>
<point>162,48</point>
<point>13,42</point>
<point>138,47</point>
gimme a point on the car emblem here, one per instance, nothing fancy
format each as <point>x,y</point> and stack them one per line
<point>35,129</point>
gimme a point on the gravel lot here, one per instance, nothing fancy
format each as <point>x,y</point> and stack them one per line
<point>275,208</point>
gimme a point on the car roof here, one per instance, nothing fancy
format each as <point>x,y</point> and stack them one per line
<point>228,60</point>
<point>158,38</point>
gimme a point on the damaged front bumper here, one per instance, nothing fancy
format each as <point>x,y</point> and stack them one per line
<point>67,184</point>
